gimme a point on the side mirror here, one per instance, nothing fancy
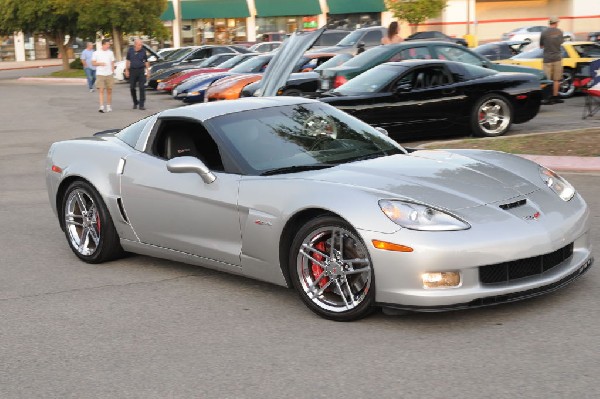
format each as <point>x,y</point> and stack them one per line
<point>191,165</point>
<point>152,58</point>
<point>403,88</point>
<point>382,131</point>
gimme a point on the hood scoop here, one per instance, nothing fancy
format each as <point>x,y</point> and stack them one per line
<point>512,205</point>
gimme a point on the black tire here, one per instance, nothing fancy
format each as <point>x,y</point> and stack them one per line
<point>88,226</point>
<point>567,85</point>
<point>341,290</point>
<point>491,116</point>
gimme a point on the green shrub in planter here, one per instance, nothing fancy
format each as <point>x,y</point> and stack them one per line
<point>76,64</point>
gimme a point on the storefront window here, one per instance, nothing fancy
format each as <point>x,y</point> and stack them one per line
<point>219,31</point>
<point>7,48</point>
<point>278,24</point>
<point>353,21</point>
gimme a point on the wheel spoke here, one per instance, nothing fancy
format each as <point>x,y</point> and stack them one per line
<point>322,290</point>
<point>355,271</point>
<point>83,239</point>
<point>81,203</point>
<point>92,233</point>
<point>342,294</point>
<point>314,250</point>
<point>312,286</point>
<point>332,245</point>
<point>71,222</point>
<point>350,296</point>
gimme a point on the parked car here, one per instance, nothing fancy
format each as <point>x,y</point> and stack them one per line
<point>194,90</point>
<point>294,192</point>
<point>196,53</point>
<point>496,51</point>
<point>357,41</point>
<point>330,37</point>
<point>301,84</point>
<point>208,63</point>
<point>264,47</point>
<point>573,53</point>
<point>436,35</point>
<point>425,98</point>
<point>594,36</point>
<point>230,88</point>
<point>531,34</point>
<point>335,77</point>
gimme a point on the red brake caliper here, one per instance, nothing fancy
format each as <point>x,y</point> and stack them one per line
<point>316,269</point>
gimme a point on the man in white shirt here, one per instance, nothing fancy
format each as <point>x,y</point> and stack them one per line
<point>104,61</point>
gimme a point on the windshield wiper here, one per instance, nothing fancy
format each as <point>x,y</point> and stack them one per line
<point>368,156</point>
<point>296,168</point>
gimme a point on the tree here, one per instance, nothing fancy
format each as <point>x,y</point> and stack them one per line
<point>415,11</point>
<point>56,19</point>
<point>118,17</point>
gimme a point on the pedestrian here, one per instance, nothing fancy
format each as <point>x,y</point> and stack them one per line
<point>551,41</point>
<point>104,60</point>
<point>393,35</point>
<point>136,68</point>
<point>88,68</point>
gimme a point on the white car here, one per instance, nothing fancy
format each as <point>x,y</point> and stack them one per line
<point>119,73</point>
<point>531,34</point>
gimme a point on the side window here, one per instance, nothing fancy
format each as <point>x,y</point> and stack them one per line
<point>178,138</point>
<point>131,133</point>
<point>220,50</point>
<point>372,38</point>
<point>430,77</point>
<point>457,54</point>
<point>199,54</point>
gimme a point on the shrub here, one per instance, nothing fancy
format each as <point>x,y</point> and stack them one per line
<point>76,64</point>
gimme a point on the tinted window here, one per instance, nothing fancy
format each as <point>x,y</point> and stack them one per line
<point>330,39</point>
<point>462,72</point>
<point>372,38</point>
<point>199,54</point>
<point>368,56</point>
<point>535,53</point>
<point>235,60</point>
<point>418,53</point>
<point>131,133</point>
<point>252,65</point>
<point>351,39</point>
<point>335,61</point>
<point>588,50</point>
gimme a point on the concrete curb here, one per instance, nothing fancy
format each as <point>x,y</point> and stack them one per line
<point>78,81</point>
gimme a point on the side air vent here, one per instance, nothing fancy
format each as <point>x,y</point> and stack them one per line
<point>512,205</point>
<point>122,210</point>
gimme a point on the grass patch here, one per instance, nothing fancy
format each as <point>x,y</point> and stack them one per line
<point>71,73</point>
<point>581,143</point>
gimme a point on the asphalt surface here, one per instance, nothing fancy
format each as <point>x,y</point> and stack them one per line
<point>149,328</point>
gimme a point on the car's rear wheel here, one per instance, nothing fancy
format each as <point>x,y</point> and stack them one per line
<point>567,86</point>
<point>331,269</point>
<point>292,92</point>
<point>492,116</point>
<point>88,226</point>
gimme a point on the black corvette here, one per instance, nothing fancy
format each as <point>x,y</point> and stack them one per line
<point>419,98</point>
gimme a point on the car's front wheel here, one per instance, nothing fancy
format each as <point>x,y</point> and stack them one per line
<point>492,116</point>
<point>331,269</point>
<point>88,226</point>
<point>567,85</point>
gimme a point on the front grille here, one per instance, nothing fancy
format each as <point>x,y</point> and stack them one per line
<point>516,269</point>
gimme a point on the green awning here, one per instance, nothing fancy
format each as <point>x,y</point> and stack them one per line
<point>198,9</point>
<point>278,8</point>
<point>355,6</point>
<point>169,13</point>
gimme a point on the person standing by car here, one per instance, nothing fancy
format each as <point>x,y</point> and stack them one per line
<point>104,60</point>
<point>393,35</point>
<point>88,68</point>
<point>551,41</point>
<point>136,67</point>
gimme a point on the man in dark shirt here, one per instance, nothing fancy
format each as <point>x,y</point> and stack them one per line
<point>551,41</point>
<point>136,67</point>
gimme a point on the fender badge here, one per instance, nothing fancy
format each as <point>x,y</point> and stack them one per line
<point>262,223</point>
<point>535,216</point>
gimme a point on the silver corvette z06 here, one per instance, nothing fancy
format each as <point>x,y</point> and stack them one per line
<point>298,193</point>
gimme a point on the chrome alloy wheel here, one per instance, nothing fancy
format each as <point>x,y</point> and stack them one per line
<point>494,116</point>
<point>82,222</point>
<point>334,269</point>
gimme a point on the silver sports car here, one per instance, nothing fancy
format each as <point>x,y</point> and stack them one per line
<point>297,193</point>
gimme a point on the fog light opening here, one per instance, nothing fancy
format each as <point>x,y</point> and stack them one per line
<point>441,279</point>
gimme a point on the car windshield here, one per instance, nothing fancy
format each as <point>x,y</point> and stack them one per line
<point>372,81</point>
<point>351,39</point>
<point>298,137</point>
<point>179,54</point>
<point>252,65</point>
<point>212,61</point>
<point>230,63</point>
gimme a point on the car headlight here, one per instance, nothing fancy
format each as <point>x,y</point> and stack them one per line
<point>420,217</point>
<point>557,184</point>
